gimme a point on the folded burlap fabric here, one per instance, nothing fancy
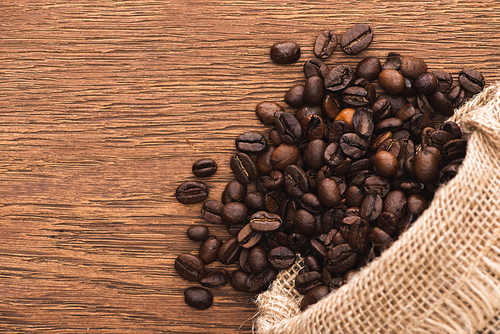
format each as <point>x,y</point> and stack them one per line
<point>440,276</point>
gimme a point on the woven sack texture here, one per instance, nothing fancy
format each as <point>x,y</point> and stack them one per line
<point>440,276</point>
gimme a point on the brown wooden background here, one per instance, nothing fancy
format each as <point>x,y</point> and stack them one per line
<point>104,105</point>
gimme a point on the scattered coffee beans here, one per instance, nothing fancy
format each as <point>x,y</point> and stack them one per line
<point>341,178</point>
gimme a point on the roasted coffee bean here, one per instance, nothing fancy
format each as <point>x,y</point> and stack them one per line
<point>385,163</point>
<point>392,146</point>
<point>305,110</point>
<point>369,68</point>
<point>304,221</point>
<point>456,96</point>
<point>389,124</point>
<point>285,52</point>
<point>281,258</point>
<point>347,115</point>
<point>307,281</point>
<point>380,139</point>
<point>329,192</point>
<point>272,200</point>
<point>314,91</point>
<point>204,167</point>
<point>234,213</point>
<point>254,201</point>
<point>393,61</point>
<point>425,106</point>
<point>412,67</point>
<point>257,259</point>
<point>356,39</point>
<point>382,109</point>
<point>455,149</point>
<point>288,127</point>
<point>377,185</point>
<point>355,96</point>
<point>395,202</point>
<point>311,203</point>
<point>287,212</point>
<point>260,282</point>
<point>189,267</point>
<point>197,232</point>
<point>239,280</point>
<point>363,122</point>
<point>391,81</point>
<point>313,296</point>
<point>353,145</point>
<point>416,205</point>
<point>263,162</point>
<point>294,97</point>
<point>234,191</point>
<point>445,81</point>
<point>247,238</point>
<point>311,263</point>
<point>331,105</point>
<point>441,104</point>
<point>397,101</point>
<point>209,249</point>
<point>191,192</point>
<point>331,218</point>
<point>407,112</point>
<point>371,207</point>
<point>426,83</point>
<point>263,221</point>
<point>229,251</point>
<point>452,128</point>
<point>199,298</point>
<point>337,130</point>
<point>274,137</point>
<point>211,211</point>
<point>333,155</point>
<point>215,278</point>
<point>313,127</point>
<point>339,78</point>
<point>325,44</point>
<point>296,181</point>
<point>381,239</point>
<point>315,67</point>
<point>274,181</point>
<point>426,166</point>
<point>359,236</point>
<point>251,142</point>
<point>354,196</point>
<point>409,186</point>
<point>471,80</point>
<point>265,111</point>
<point>409,89</point>
<point>340,259</point>
<point>388,222</point>
<point>244,168</point>
<point>418,123</point>
<point>438,138</point>
<point>448,172</point>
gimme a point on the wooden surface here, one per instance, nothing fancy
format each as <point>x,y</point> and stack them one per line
<point>104,105</point>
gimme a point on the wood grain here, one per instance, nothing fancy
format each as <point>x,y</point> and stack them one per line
<point>104,105</point>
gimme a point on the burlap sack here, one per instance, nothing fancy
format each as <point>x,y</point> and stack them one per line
<point>441,276</point>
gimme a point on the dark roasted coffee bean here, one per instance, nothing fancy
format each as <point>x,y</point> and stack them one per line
<point>426,166</point>
<point>452,128</point>
<point>275,137</point>
<point>353,145</point>
<point>313,296</point>
<point>234,229</point>
<point>244,168</point>
<point>385,164</point>
<point>265,111</point>
<point>401,134</point>
<point>314,91</point>
<point>416,205</point>
<point>331,219</point>
<point>260,282</point>
<point>251,142</point>
<point>331,105</point>
<point>239,280</point>
<point>313,154</point>
<point>382,109</point>
<point>281,258</point>
<point>247,238</point>
<point>395,202</point>
<point>369,68</point>
<point>294,97</point>
<point>285,52</point>
<point>363,122</point>
<point>426,83</point>
<point>409,186</point>
<point>311,203</point>
<point>274,181</point>
<point>366,84</point>
<point>409,89</point>
<point>455,149</point>
<point>288,128</point>
<point>234,213</point>
<point>272,200</point>
<point>381,239</point>
<point>393,61</point>
<point>313,127</point>
<point>209,249</point>
<point>388,222</point>
<point>380,139</point>
<point>307,281</point>
<point>189,267</point>
<point>425,106</point>
<point>371,207</point>
<point>197,232</point>
<point>229,251</point>
<point>211,211</point>
<point>304,221</point>
<point>191,192</point>
<point>456,96</point>
<point>377,185</point>
<point>257,259</point>
<point>234,191</point>
<point>340,259</point>
<point>329,192</point>
<point>199,298</point>
<point>204,167</point>
<point>264,161</point>
<point>287,212</point>
<point>392,146</point>
<point>412,67</point>
<point>355,96</point>
<point>391,81</point>
<point>337,130</point>
<point>389,124</point>
<point>339,78</point>
<point>311,263</point>
<point>445,81</point>
<point>263,221</point>
<point>397,101</point>
<point>354,196</point>
<point>333,155</point>
<point>359,236</point>
<point>215,278</point>
<point>305,110</point>
<point>471,80</point>
<point>296,181</point>
<point>356,39</point>
<point>315,67</point>
<point>254,201</point>
<point>441,104</point>
<point>407,112</point>
<point>325,44</point>
<point>418,123</point>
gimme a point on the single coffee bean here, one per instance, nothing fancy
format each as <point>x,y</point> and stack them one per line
<point>265,111</point>
<point>294,97</point>
<point>456,96</point>
<point>275,137</point>
<point>296,181</point>
<point>304,221</point>
<point>426,166</point>
<point>371,207</point>
<point>260,282</point>
<point>264,160</point>
<point>388,222</point>
<point>471,80</point>
<point>377,185</point>
<point>425,106</point>
<point>287,212</point>
<point>407,112</point>
<point>305,110</point>
<point>191,192</point>
<point>315,67</point>
<point>355,96</point>
<point>307,281</point>
<point>409,186</point>
<point>416,205</point>
<point>234,229</point>
<point>314,91</point>
<point>369,68</point>
<point>313,154</point>
<point>313,296</point>
<point>272,200</point>
<point>412,67</point>
<point>393,61</point>
<point>440,103</point>
<point>363,122</point>
<point>391,81</point>
<point>239,280</point>
<point>288,127</point>
<point>353,145</point>
<point>340,259</point>
<point>211,211</point>
<point>325,44</point>
<point>389,124</point>
<point>359,235</point>
<point>354,196</point>
<point>197,232</point>
<point>426,83</point>
<point>329,192</point>
<point>263,221</point>
<point>209,249</point>
<point>455,149</point>
<point>339,78</point>
<point>254,201</point>
<point>331,105</point>
<point>274,181</point>
<point>385,163</point>
<point>199,298</point>
<point>244,168</point>
<point>204,167</point>
<point>247,238</point>
<point>313,127</point>
<point>381,239</point>
<point>251,143</point>
<point>397,101</point>
<point>311,263</point>
<point>395,202</point>
<point>189,267</point>
<point>281,258</point>
<point>229,251</point>
<point>445,81</point>
<point>234,191</point>
<point>356,39</point>
<point>215,278</point>
<point>452,128</point>
<point>311,203</point>
<point>257,259</point>
<point>285,52</point>
<point>380,139</point>
<point>382,109</point>
<point>234,213</point>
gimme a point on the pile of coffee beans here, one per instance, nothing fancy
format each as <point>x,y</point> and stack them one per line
<point>336,181</point>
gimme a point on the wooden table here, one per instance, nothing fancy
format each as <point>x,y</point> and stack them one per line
<point>104,106</point>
